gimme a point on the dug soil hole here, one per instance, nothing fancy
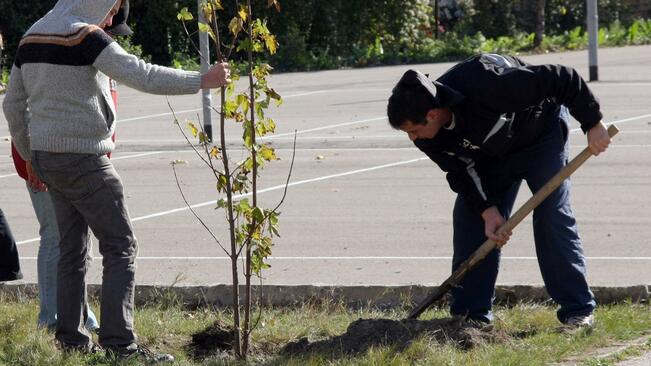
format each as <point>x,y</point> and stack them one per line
<point>363,334</point>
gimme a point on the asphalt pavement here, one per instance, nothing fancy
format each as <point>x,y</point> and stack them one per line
<point>364,206</point>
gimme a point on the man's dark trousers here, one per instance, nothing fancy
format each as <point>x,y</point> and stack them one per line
<point>558,246</point>
<point>87,192</point>
<point>9,264</point>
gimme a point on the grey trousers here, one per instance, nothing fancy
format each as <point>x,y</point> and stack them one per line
<point>87,192</point>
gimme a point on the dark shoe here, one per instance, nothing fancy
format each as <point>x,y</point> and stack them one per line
<point>464,321</point>
<point>135,351</point>
<point>10,276</point>
<point>87,349</point>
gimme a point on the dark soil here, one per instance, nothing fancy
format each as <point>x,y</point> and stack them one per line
<point>363,334</point>
<point>213,340</point>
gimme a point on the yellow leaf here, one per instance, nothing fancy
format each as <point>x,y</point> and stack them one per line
<point>243,13</point>
<point>184,15</point>
<point>271,43</point>
<point>268,153</point>
<point>214,152</point>
<point>235,26</point>
<point>193,129</point>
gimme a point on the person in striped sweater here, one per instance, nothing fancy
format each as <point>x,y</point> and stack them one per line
<point>61,120</point>
<point>48,250</point>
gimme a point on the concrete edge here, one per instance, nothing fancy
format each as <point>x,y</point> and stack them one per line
<point>372,295</point>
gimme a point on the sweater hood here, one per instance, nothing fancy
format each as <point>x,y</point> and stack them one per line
<point>68,16</point>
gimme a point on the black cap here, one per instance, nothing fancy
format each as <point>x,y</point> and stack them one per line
<point>119,26</point>
<point>443,95</point>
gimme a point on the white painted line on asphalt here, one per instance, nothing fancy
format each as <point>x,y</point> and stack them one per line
<point>282,186</point>
<point>274,188</point>
<point>616,84</point>
<point>621,121</point>
<point>323,128</point>
<point>166,114</point>
<point>309,180</point>
<point>365,258</point>
<point>138,155</point>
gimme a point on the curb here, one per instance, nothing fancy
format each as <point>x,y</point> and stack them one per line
<point>355,296</point>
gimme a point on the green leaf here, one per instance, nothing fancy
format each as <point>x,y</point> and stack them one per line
<point>271,125</point>
<point>262,71</point>
<point>184,15</point>
<point>247,136</point>
<point>245,45</point>
<point>230,107</point>
<point>205,28</point>
<point>243,206</point>
<point>274,230</point>
<point>230,89</point>
<point>259,110</point>
<point>243,102</point>
<point>222,181</point>
<point>273,218</point>
<point>222,202</point>
<point>258,47</point>
<point>257,214</point>
<point>203,138</point>
<point>271,93</point>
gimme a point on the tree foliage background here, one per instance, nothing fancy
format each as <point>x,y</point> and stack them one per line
<point>317,34</point>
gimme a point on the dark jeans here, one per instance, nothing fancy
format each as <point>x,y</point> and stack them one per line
<point>87,192</point>
<point>9,264</point>
<point>558,246</point>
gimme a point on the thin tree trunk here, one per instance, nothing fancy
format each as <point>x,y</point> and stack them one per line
<point>539,26</point>
<point>254,193</point>
<point>237,339</point>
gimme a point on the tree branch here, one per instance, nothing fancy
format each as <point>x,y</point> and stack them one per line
<point>178,184</point>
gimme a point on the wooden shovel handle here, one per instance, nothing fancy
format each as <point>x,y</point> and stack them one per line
<point>489,245</point>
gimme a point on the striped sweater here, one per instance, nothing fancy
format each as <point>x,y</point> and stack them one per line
<point>58,99</point>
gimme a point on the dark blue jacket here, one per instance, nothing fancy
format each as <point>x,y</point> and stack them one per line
<point>507,106</point>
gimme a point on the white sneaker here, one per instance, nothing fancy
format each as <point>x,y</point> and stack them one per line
<point>580,321</point>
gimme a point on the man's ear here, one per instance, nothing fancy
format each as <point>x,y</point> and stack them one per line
<point>432,116</point>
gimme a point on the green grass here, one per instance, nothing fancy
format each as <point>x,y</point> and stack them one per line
<point>534,340</point>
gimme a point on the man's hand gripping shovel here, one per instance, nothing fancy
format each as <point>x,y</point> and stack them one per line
<point>511,223</point>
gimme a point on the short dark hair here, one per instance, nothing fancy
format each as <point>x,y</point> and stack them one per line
<point>409,103</point>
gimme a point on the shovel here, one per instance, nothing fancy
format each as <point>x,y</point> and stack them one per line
<point>512,222</point>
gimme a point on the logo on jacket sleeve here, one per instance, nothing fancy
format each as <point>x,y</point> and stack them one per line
<point>466,144</point>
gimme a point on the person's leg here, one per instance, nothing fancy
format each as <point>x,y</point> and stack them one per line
<point>48,257</point>
<point>9,263</point>
<point>47,261</point>
<point>473,297</point>
<point>91,322</point>
<point>68,186</point>
<point>102,206</point>
<point>558,245</point>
